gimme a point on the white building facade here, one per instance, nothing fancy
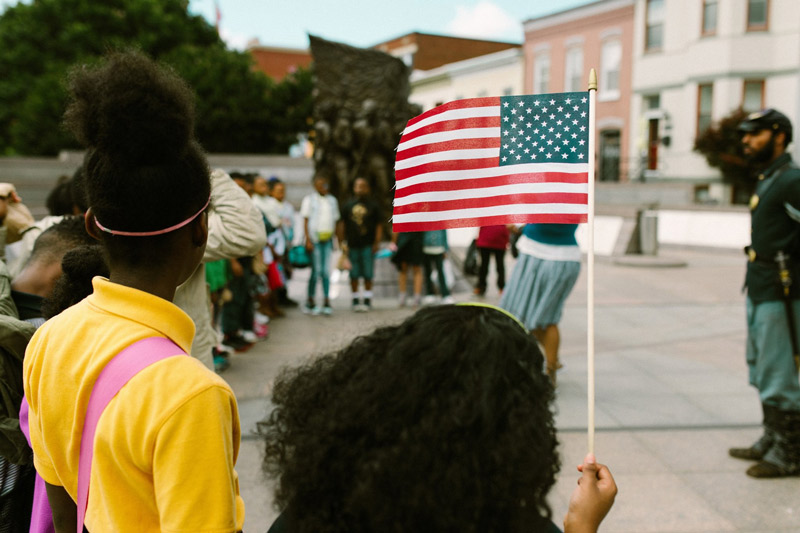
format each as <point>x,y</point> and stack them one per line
<point>694,62</point>
<point>496,74</point>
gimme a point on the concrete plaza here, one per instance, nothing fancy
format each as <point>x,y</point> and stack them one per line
<point>671,394</point>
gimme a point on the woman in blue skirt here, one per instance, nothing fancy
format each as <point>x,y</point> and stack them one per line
<point>548,266</point>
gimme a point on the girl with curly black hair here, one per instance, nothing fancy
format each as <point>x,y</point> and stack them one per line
<point>442,423</point>
<point>166,444</point>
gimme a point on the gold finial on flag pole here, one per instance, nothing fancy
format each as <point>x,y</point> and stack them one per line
<point>592,80</point>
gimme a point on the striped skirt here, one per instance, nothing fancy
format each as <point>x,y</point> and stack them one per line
<point>538,288</point>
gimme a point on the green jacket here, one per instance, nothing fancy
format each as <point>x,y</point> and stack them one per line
<point>775,226</point>
<point>14,337</point>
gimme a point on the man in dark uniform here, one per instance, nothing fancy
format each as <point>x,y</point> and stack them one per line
<point>773,294</point>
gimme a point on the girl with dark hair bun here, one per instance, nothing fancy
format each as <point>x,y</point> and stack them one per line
<point>166,445</point>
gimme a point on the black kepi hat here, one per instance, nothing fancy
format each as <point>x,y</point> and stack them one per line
<point>767,119</point>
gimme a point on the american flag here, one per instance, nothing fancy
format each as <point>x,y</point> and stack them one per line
<point>501,160</point>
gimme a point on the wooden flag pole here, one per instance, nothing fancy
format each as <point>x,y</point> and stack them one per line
<point>590,261</point>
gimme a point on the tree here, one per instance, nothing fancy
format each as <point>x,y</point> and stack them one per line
<point>722,147</point>
<point>41,41</point>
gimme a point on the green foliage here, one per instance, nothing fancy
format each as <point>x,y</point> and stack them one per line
<point>721,145</point>
<point>239,109</point>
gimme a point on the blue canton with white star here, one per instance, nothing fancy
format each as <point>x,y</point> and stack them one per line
<point>544,128</point>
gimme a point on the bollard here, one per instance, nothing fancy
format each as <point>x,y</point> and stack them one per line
<point>648,232</point>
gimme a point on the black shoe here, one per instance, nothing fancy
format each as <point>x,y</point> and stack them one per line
<point>285,301</point>
<point>748,454</point>
<point>237,343</point>
<point>764,470</point>
<point>216,352</point>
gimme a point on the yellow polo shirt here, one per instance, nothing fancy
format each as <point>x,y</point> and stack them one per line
<point>166,445</point>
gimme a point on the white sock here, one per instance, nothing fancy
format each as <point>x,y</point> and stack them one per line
<point>367,295</point>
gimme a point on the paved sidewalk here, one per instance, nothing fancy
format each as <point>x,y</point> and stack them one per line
<point>672,395</point>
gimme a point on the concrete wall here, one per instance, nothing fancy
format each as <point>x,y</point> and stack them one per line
<point>679,222</point>
<point>35,177</point>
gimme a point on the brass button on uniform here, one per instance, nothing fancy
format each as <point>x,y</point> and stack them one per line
<point>753,201</point>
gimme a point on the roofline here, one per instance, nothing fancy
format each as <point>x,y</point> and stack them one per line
<point>279,49</point>
<point>503,57</point>
<point>586,10</point>
<point>445,36</point>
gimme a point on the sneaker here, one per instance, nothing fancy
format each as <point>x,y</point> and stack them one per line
<point>327,310</point>
<point>448,300</point>
<point>316,311</point>
<point>356,305</point>
<point>261,331</point>
<point>367,305</point>
<point>221,364</point>
<point>308,308</point>
<point>402,300</point>
<point>261,318</point>
<point>250,336</point>
<point>429,300</point>
<point>417,300</point>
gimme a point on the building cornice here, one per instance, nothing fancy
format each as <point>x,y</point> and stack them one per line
<point>713,76</point>
<point>572,15</point>
<point>475,64</point>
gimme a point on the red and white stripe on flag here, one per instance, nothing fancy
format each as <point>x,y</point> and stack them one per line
<point>500,160</point>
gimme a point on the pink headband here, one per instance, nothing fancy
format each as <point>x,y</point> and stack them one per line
<point>151,233</point>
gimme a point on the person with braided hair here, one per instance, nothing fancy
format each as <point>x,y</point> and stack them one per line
<point>166,444</point>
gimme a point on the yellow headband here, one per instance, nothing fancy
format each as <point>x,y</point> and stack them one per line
<point>490,306</point>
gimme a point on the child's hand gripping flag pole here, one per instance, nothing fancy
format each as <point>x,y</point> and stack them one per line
<point>502,160</point>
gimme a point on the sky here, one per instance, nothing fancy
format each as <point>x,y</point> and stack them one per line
<point>365,23</point>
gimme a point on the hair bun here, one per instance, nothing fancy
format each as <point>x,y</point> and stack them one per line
<point>131,107</point>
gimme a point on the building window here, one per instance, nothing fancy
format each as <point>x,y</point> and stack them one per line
<point>757,15</point>
<point>753,95</point>
<point>573,69</point>
<point>709,17</point>
<point>541,73</point>
<point>651,101</point>
<point>654,32</point>
<point>610,61</point>
<point>705,93</point>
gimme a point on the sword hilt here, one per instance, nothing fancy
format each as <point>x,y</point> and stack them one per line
<point>783,270</point>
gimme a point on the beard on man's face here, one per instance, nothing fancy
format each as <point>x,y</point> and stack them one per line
<point>763,155</point>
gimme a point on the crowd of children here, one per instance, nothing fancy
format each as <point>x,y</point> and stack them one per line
<point>112,419</point>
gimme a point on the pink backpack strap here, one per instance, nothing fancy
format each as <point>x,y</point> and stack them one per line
<point>112,378</point>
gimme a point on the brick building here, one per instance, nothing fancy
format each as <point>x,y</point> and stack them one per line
<point>277,62</point>
<point>425,51</point>
<point>562,47</point>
